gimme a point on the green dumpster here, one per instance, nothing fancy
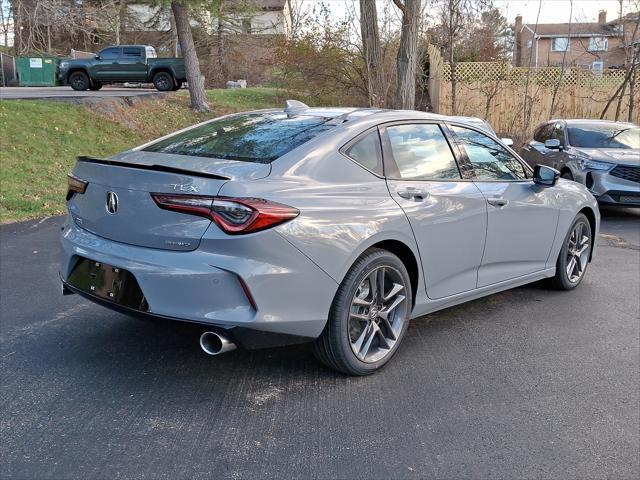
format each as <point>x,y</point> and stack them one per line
<point>37,71</point>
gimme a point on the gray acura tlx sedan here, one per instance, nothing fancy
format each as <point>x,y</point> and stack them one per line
<point>335,226</point>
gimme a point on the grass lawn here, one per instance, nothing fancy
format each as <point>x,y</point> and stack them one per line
<point>39,140</point>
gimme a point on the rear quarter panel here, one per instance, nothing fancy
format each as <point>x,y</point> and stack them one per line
<point>176,65</point>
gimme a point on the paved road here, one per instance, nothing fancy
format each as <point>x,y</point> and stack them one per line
<point>67,93</point>
<point>527,383</point>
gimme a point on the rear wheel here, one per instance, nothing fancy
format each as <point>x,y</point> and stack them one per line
<point>178,85</point>
<point>163,82</point>
<point>95,86</point>
<point>369,315</point>
<point>79,81</point>
<point>574,256</point>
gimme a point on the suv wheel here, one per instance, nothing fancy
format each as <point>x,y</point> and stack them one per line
<point>574,256</point>
<point>95,86</point>
<point>79,81</point>
<point>163,82</point>
<point>369,315</point>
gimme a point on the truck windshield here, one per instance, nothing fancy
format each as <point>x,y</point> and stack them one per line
<point>252,137</point>
<point>604,136</point>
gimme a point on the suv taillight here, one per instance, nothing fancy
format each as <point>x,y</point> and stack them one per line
<point>235,216</point>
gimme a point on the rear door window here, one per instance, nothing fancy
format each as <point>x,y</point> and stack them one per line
<point>132,52</point>
<point>421,152</point>
<point>252,137</point>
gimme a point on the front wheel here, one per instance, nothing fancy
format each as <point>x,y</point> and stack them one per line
<point>163,82</point>
<point>369,315</point>
<point>567,174</point>
<point>79,81</point>
<point>574,256</point>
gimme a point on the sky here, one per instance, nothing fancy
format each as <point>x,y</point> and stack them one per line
<point>552,11</point>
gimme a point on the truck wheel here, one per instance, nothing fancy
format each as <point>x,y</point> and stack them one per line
<point>79,81</point>
<point>163,82</point>
<point>178,85</point>
<point>95,86</point>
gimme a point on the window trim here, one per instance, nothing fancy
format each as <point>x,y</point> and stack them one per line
<point>527,169</point>
<point>344,148</point>
<point>390,163</point>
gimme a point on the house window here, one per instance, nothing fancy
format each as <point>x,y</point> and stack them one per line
<point>598,44</point>
<point>560,44</point>
<point>597,67</point>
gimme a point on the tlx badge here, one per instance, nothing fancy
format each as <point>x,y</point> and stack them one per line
<point>185,188</point>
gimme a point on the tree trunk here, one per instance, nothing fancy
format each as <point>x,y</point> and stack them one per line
<point>192,66</point>
<point>371,52</point>
<point>407,59</point>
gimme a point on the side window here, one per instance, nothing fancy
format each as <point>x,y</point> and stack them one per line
<point>543,133</point>
<point>110,53</point>
<point>558,133</point>
<point>366,151</point>
<point>132,52</point>
<point>490,161</point>
<point>421,152</point>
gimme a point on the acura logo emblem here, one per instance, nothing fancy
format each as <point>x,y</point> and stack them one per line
<point>112,203</point>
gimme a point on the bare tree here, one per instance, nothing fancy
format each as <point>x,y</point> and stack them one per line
<point>407,58</point>
<point>371,52</point>
<point>180,10</point>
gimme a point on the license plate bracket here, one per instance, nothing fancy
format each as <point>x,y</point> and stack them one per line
<point>107,282</point>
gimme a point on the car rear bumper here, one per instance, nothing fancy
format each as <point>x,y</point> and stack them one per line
<point>610,189</point>
<point>263,283</point>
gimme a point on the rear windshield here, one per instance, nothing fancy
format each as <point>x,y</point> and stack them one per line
<point>252,137</point>
<point>604,136</point>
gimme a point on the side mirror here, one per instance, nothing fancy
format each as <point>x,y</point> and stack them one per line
<point>97,57</point>
<point>507,141</point>
<point>553,144</point>
<point>543,175</point>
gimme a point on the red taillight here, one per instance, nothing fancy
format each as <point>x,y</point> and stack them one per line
<point>233,215</point>
<point>75,185</point>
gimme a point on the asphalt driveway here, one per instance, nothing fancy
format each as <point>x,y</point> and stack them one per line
<point>527,383</point>
<point>67,93</point>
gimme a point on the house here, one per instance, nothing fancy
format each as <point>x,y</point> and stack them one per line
<point>596,46</point>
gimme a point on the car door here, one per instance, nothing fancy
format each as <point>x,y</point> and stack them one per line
<point>521,218</point>
<point>447,213</point>
<point>133,64</point>
<point>534,152</point>
<point>107,66</point>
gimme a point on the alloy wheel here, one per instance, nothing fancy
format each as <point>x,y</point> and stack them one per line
<point>377,314</point>
<point>578,252</point>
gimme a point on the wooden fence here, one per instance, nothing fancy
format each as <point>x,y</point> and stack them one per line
<point>515,99</point>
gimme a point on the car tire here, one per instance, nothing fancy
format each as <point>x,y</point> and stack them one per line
<point>177,86</point>
<point>79,81</point>
<point>574,256</point>
<point>95,86</point>
<point>163,82</point>
<point>567,175</point>
<point>365,329</point>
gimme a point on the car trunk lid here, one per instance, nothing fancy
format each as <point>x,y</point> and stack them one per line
<point>117,203</point>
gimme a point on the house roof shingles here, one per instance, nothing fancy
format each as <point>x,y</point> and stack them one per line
<point>571,29</point>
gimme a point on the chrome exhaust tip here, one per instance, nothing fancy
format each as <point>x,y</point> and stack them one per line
<point>213,343</point>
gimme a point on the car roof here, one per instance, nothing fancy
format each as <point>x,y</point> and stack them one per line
<point>587,121</point>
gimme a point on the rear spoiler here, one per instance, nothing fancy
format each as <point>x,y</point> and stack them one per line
<point>155,168</point>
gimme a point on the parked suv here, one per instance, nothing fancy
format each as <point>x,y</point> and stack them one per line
<point>601,154</point>
<point>123,63</point>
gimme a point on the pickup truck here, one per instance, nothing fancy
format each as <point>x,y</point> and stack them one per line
<point>123,63</point>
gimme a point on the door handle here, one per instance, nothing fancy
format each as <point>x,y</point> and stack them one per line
<point>498,201</point>
<point>413,193</point>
